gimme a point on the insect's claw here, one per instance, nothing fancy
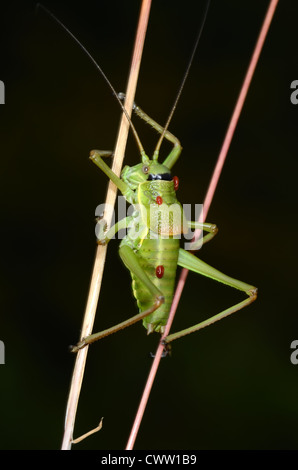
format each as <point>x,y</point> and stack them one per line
<point>100,230</point>
<point>122,97</point>
<point>101,242</point>
<point>167,348</point>
<point>166,351</point>
<point>99,218</point>
<point>77,347</point>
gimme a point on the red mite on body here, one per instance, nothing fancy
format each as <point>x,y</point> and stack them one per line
<point>176,182</point>
<point>159,271</point>
<point>159,200</point>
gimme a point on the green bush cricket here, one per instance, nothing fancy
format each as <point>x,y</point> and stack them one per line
<point>153,255</point>
<point>151,250</point>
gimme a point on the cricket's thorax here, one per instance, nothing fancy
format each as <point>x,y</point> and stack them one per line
<point>159,208</point>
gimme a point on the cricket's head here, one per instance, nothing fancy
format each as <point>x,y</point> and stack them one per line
<point>148,170</point>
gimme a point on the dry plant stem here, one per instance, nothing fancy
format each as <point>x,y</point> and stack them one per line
<point>100,255</point>
<point>87,434</point>
<point>207,203</point>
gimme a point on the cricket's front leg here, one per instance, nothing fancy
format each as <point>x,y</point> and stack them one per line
<point>212,230</point>
<point>96,157</point>
<point>104,235</point>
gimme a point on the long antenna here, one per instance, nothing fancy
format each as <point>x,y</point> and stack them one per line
<point>156,152</point>
<point>141,149</point>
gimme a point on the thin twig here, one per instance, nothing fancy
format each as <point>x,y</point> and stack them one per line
<point>100,255</point>
<point>207,203</point>
<point>87,434</point>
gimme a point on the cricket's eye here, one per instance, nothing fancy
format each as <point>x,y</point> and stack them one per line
<point>145,169</point>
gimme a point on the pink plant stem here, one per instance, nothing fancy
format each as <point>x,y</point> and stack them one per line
<point>207,203</point>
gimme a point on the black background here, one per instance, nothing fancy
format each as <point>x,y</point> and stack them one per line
<point>231,386</point>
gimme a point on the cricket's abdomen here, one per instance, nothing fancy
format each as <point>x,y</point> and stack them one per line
<point>158,257</point>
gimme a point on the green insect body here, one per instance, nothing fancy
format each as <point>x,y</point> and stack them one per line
<point>160,220</point>
<point>151,249</point>
<point>152,255</point>
<point>158,252</point>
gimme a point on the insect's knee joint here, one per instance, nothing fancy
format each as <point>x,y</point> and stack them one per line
<point>160,300</point>
<point>100,153</point>
<point>253,293</point>
<point>92,154</point>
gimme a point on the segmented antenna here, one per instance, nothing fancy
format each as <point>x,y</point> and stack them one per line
<point>141,149</point>
<point>156,152</point>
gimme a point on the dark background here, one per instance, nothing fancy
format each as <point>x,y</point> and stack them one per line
<point>230,386</point>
